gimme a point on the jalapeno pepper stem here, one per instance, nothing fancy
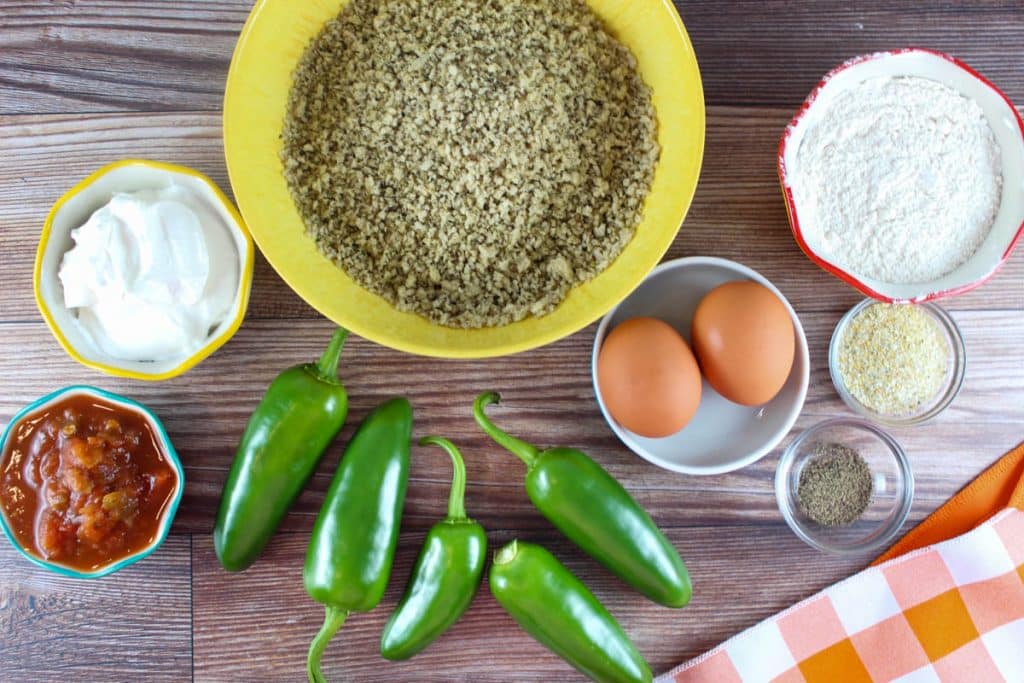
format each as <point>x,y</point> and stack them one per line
<point>334,618</point>
<point>524,451</point>
<point>327,366</point>
<point>457,495</point>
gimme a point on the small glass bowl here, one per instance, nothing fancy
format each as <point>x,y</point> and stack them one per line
<point>951,383</point>
<point>892,487</point>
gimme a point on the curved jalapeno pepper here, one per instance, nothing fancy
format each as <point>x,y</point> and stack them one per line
<point>590,507</point>
<point>301,412</point>
<point>353,543</point>
<point>554,607</point>
<point>446,575</point>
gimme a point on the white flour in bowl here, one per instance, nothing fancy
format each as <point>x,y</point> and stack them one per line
<point>899,180</point>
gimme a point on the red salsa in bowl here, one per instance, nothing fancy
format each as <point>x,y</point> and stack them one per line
<point>86,482</point>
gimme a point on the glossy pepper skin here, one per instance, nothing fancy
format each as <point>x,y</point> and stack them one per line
<point>554,607</point>
<point>300,413</point>
<point>590,507</point>
<point>446,575</point>
<point>353,543</point>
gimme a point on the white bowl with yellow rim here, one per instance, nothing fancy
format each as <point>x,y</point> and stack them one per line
<point>74,208</point>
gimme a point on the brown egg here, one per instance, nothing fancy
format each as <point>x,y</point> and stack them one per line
<point>743,337</point>
<point>648,377</point>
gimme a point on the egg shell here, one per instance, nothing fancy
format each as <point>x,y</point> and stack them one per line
<point>743,337</point>
<point>648,377</point>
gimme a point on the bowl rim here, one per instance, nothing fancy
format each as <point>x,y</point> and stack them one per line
<point>168,450</point>
<point>241,299</point>
<point>950,390</point>
<point>389,335</point>
<point>906,500</point>
<point>787,189</point>
<point>801,350</point>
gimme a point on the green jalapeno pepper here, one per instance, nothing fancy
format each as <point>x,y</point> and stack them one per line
<point>301,412</point>
<point>590,507</point>
<point>557,609</point>
<point>353,543</point>
<point>446,575</point>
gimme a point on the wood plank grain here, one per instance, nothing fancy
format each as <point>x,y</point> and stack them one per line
<point>548,399</point>
<point>104,55</point>
<point>131,625</point>
<point>257,625</point>
<point>111,55</point>
<point>777,58</point>
<point>737,213</point>
<point>72,68</point>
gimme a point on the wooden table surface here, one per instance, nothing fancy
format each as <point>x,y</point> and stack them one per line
<point>86,82</point>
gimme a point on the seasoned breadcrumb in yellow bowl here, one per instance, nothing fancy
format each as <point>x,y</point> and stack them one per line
<point>257,104</point>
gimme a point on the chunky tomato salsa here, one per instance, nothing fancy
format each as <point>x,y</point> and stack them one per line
<point>84,483</point>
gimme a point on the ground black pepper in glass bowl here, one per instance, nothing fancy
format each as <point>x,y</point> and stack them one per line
<point>834,525</point>
<point>835,486</point>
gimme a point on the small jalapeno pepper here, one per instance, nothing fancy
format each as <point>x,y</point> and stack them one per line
<point>446,575</point>
<point>301,412</point>
<point>353,543</point>
<point>557,609</point>
<point>590,507</point>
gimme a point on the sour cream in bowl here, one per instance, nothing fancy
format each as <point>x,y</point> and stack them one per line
<point>143,270</point>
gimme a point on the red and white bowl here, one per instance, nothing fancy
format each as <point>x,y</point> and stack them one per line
<point>1006,123</point>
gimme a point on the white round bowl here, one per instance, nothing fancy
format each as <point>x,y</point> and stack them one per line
<point>1006,124</point>
<point>722,436</point>
<point>75,207</point>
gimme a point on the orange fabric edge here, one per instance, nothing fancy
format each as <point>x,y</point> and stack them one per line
<point>998,487</point>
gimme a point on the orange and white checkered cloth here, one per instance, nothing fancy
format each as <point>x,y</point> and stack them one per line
<point>947,611</point>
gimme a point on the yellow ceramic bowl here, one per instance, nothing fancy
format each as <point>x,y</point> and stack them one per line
<point>255,102</point>
<point>75,207</point>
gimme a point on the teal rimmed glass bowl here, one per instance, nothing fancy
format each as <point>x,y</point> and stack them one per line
<point>166,449</point>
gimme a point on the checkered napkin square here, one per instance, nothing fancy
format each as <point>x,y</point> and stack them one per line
<point>953,611</point>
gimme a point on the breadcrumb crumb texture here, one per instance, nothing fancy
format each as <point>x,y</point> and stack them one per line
<point>469,160</point>
<point>893,358</point>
